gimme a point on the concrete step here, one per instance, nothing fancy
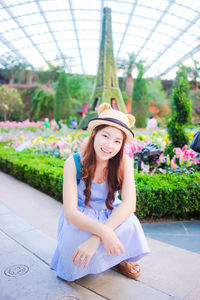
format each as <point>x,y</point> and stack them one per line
<point>28,221</point>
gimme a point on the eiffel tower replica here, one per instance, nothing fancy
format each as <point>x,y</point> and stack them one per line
<point>106,88</point>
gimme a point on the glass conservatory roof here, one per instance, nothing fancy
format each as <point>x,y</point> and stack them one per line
<point>162,33</point>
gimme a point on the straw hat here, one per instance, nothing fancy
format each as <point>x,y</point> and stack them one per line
<point>112,117</point>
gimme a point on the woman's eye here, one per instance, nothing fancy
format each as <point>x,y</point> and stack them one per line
<point>105,136</point>
<point>118,142</point>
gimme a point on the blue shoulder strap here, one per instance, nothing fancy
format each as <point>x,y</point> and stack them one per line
<point>77,161</point>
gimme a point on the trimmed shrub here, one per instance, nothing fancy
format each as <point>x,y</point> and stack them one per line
<point>140,98</point>
<point>181,114</point>
<point>158,195</point>
<point>63,104</point>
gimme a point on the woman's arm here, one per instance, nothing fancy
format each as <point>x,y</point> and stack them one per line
<point>70,200</point>
<point>100,231</point>
<point>128,193</point>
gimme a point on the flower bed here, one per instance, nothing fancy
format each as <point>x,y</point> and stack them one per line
<point>62,143</point>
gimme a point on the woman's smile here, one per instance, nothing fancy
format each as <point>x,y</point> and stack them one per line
<point>106,151</point>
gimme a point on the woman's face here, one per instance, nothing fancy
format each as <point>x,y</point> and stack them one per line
<point>108,142</point>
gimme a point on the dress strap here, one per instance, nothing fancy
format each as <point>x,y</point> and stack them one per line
<point>77,161</point>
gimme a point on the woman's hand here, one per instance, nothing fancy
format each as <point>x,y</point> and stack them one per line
<point>111,242</point>
<point>85,251</point>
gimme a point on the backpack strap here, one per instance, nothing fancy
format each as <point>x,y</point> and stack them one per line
<point>77,161</point>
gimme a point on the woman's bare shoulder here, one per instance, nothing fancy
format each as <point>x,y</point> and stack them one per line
<point>69,163</point>
<point>127,159</point>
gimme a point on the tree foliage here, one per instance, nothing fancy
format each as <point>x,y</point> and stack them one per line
<point>42,104</point>
<point>10,102</point>
<point>140,99</point>
<point>63,104</point>
<point>16,70</point>
<point>155,91</point>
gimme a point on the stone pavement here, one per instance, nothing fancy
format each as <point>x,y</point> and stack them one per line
<point>28,225</point>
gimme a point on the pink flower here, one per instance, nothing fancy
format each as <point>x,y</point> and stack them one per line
<point>162,171</point>
<point>173,165</point>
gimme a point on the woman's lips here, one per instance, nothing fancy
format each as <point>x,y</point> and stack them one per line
<point>105,152</point>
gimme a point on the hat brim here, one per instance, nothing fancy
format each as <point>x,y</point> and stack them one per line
<point>112,122</point>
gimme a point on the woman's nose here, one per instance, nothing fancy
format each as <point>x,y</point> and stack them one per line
<point>109,143</point>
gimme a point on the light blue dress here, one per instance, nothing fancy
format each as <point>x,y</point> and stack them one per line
<point>130,233</point>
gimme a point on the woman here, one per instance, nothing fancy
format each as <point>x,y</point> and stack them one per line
<point>96,230</point>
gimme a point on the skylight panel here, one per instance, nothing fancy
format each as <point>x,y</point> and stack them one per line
<point>31,19</point>
<point>189,39</point>
<point>61,26</point>
<point>42,38</point>
<point>87,25</point>
<point>15,2</point>
<point>60,35</point>
<point>147,55</point>
<point>45,46</point>
<point>50,55</point>
<point>7,25</point>
<point>133,40</point>
<point>171,55</point>
<point>120,18</point>
<point>168,30</point>
<point>29,51</point>
<point>26,8</point>
<point>117,37</point>
<point>119,28</point>
<point>88,44</point>
<point>86,4</point>
<point>36,29</point>
<point>127,48</point>
<point>86,14</point>
<point>147,12</point>
<point>3,49</point>
<point>159,38</point>
<point>194,30</point>
<point>138,31</point>
<point>123,7</point>
<point>37,61</point>
<point>72,52</point>
<point>15,34</point>
<point>67,44</point>
<point>182,47</point>
<point>171,74</point>
<point>182,11</point>
<point>58,15</point>
<point>87,35</point>
<point>53,5</point>
<point>21,43</point>
<point>3,14</point>
<point>174,21</point>
<point>154,3</point>
<point>196,55</point>
<point>195,5</point>
<point>141,22</point>
<point>155,46</point>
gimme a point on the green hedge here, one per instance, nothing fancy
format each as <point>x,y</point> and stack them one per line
<point>158,195</point>
<point>40,171</point>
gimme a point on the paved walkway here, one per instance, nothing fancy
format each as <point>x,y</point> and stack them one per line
<point>28,225</point>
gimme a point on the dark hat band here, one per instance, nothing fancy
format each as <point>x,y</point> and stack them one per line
<point>112,120</point>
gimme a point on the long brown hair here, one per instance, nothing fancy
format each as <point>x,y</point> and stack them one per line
<point>114,169</point>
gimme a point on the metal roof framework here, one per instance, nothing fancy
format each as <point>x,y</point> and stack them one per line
<point>162,33</point>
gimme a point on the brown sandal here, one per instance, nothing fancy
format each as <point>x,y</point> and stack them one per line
<point>126,269</point>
